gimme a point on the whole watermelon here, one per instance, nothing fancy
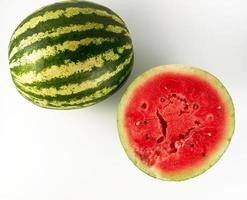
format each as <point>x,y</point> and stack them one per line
<point>70,54</point>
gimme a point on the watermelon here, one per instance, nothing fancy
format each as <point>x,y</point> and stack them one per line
<point>70,54</point>
<point>175,121</point>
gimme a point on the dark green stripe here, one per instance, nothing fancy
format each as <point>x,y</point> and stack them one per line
<point>79,4</point>
<point>73,36</point>
<point>81,54</point>
<point>109,66</point>
<point>108,83</point>
<point>120,84</point>
<point>61,22</point>
<point>63,6</point>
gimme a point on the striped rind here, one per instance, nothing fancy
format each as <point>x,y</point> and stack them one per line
<point>83,100</point>
<point>30,40</point>
<point>69,68</point>
<point>82,53</point>
<point>56,14</point>
<point>49,51</point>
<point>53,24</point>
<point>75,87</point>
<point>70,55</point>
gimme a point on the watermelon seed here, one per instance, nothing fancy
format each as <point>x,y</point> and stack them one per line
<point>209,134</point>
<point>186,107</point>
<point>160,139</point>
<point>173,95</point>
<point>210,117</point>
<point>203,154</point>
<point>144,106</point>
<point>174,150</point>
<point>138,123</point>
<point>219,107</point>
<point>195,106</point>
<point>162,99</point>
<point>192,145</point>
<point>145,122</point>
<point>197,122</point>
<point>182,112</point>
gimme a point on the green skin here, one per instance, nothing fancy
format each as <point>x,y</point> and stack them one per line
<point>211,160</point>
<point>81,54</point>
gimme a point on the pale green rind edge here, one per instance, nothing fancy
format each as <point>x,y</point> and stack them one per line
<point>191,172</point>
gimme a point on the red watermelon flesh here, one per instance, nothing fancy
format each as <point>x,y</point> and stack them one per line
<point>175,122</point>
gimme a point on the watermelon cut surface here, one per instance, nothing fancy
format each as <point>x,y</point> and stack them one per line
<point>175,121</point>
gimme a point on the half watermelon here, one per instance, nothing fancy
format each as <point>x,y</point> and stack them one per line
<point>175,121</point>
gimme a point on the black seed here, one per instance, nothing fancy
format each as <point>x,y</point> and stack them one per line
<point>162,99</point>
<point>197,122</point>
<point>186,107</point>
<point>160,139</point>
<point>144,106</point>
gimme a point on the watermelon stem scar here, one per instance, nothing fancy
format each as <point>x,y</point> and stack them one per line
<point>175,121</point>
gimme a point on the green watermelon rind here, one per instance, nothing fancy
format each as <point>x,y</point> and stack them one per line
<point>92,103</point>
<point>213,158</point>
<point>102,23</point>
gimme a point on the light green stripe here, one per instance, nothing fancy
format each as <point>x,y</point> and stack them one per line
<point>49,51</point>
<point>48,104</point>
<point>69,68</point>
<point>64,30</point>
<point>68,12</point>
<point>79,87</point>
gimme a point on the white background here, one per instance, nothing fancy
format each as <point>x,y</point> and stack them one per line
<point>65,155</point>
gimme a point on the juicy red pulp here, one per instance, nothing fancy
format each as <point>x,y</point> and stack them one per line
<point>174,121</point>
